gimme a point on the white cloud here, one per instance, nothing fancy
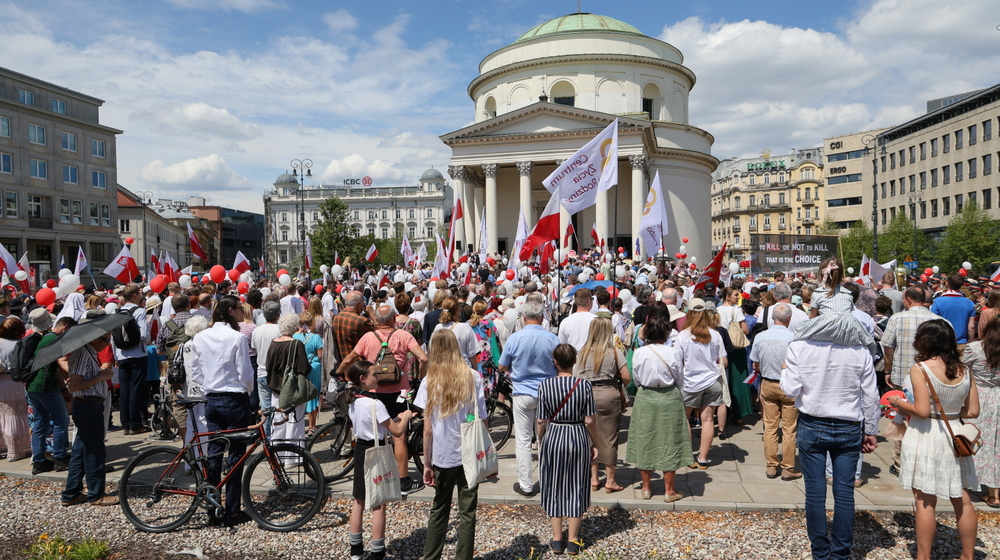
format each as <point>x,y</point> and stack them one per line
<point>200,175</point>
<point>198,119</point>
<point>340,21</point>
<point>246,6</point>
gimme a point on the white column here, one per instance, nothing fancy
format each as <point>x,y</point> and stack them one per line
<point>564,219</point>
<point>457,173</point>
<point>638,163</point>
<point>524,171</point>
<point>471,208</point>
<point>490,170</point>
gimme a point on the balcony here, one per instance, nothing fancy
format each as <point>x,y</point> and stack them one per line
<point>767,227</point>
<point>781,225</point>
<point>808,221</point>
<point>39,223</point>
<point>809,202</point>
<point>736,228</point>
<point>752,227</point>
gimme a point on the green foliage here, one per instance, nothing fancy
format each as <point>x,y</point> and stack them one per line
<point>58,548</point>
<point>970,236</point>
<point>335,234</point>
<point>896,241</point>
<point>854,243</point>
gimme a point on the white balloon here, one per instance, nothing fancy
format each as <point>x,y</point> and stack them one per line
<point>693,259</point>
<point>505,261</point>
<point>510,318</point>
<point>285,280</point>
<point>20,276</point>
<point>265,291</point>
<point>336,270</point>
<point>850,270</point>
<point>247,277</point>
<point>110,308</point>
<point>184,281</point>
<point>463,268</point>
<point>734,268</point>
<point>69,283</point>
<point>58,292</point>
<point>681,249</point>
<point>608,257</point>
<point>323,268</point>
<point>64,272</point>
<point>936,269</point>
<point>967,265</point>
<point>625,295</point>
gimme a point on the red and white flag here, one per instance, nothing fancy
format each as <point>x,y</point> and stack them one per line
<point>309,255</point>
<point>547,228</point>
<point>522,234</point>
<point>866,270</point>
<point>154,262</point>
<point>712,271</point>
<point>545,255</point>
<point>996,276</point>
<point>372,253</point>
<point>570,232</point>
<point>595,236</point>
<point>456,214</point>
<point>169,267</point>
<point>263,269</point>
<point>241,263</point>
<point>123,268</point>
<point>336,258</point>
<point>81,261</point>
<point>8,265</point>
<point>24,265</point>
<point>196,248</point>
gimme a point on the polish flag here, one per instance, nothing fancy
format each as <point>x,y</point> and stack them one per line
<point>547,252</point>
<point>8,264</point>
<point>242,263</point>
<point>336,258</point>
<point>594,236</point>
<point>263,269</point>
<point>24,265</point>
<point>996,276</point>
<point>371,254</point>
<point>570,231</point>
<point>309,255</point>
<point>547,228</point>
<point>456,214</point>
<point>123,268</point>
<point>866,270</point>
<point>712,271</point>
<point>154,262</point>
<point>196,248</point>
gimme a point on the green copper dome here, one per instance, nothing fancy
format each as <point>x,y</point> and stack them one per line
<point>579,23</point>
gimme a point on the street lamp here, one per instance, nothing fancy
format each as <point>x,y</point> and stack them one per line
<point>871,142</point>
<point>302,168</point>
<point>916,197</point>
<point>145,197</point>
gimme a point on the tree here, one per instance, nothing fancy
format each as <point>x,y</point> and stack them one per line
<point>896,241</point>
<point>856,242</point>
<point>970,236</point>
<point>334,234</point>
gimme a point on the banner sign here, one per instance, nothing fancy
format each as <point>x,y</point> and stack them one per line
<point>791,253</point>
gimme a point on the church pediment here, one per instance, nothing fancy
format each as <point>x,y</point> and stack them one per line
<point>541,119</point>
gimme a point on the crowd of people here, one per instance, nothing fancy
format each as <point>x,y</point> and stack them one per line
<point>810,355</point>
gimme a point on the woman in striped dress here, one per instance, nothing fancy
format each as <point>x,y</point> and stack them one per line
<point>567,428</point>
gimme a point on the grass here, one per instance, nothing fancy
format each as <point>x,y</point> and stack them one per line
<point>55,547</point>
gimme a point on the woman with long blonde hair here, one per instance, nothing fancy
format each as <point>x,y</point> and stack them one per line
<point>449,395</point>
<point>601,364</point>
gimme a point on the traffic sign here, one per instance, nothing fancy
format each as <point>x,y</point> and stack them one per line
<point>912,265</point>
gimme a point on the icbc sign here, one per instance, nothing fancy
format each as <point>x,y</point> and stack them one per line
<point>367,181</point>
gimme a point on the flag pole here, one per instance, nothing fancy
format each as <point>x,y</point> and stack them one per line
<point>614,237</point>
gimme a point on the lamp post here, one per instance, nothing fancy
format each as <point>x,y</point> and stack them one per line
<point>302,168</point>
<point>872,142</point>
<point>916,197</point>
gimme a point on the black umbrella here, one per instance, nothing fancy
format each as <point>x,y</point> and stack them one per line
<point>77,337</point>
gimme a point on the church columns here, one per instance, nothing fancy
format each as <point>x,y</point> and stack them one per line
<point>524,171</point>
<point>600,216</point>
<point>490,170</point>
<point>457,173</point>
<point>638,163</point>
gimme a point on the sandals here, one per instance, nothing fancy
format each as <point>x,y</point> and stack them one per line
<point>310,431</point>
<point>721,434</point>
<point>699,464</point>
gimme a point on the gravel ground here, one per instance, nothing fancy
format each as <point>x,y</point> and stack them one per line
<point>503,532</point>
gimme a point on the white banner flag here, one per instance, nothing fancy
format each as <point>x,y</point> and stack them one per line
<point>483,238</point>
<point>422,253</point>
<point>406,250</point>
<point>81,261</point>
<point>521,234</point>
<point>591,170</point>
<point>654,220</point>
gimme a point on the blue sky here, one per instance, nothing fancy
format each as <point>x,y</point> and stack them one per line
<point>216,96</point>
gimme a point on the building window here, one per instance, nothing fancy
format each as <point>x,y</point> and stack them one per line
<point>753,222</point>
<point>284,235</point>
<point>946,143</point>
<point>736,202</point>
<point>315,216</point>
<point>946,174</point>
<point>923,179</point>
<point>808,173</point>
<point>946,206</point>
<point>852,178</point>
<point>892,213</point>
<point>883,216</point>
<point>958,204</point>
<point>892,187</point>
<point>972,168</point>
<point>923,151</point>
<point>767,201</point>
<point>923,210</point>
<point>972,134</point>
<point>10,204</point>
<point>934,208</point>
<point>902,185</point>
<point>26,97</point>
<point>105,215</point>
<point>69,141</point>
<point>77,212</point>
<point>767,178</point>
<point>934,177</point>
<point>798,214</point>
<point>5,127</point>
<point>736,240</point>
<point>412,213</point>
<point>371,231</point>
<point>372,214</point>
<point>385,214</point>
<point>430,231</point>
<point>5,163</point>
<point>71,174</point>
<point>972,196</point>
<point>99,252</point>
<point>385,233</point>
<point>781,221</point>
<point>34,206</point>
<point>430,212</point>
<point>767,221</point>
<point>987,199</point>
<point>97,148</point>
<point>95,213</point>
<point>99,179</point>
<point>58,106</point>
<point>36,134</point>
<point>39,169</point>
<point>124,226</point>
<point>892,161</point>
<point>399,214</point>
<point>958,171</point>
<point>913,155</point>
<point>883,190</point>
<point>958,141</point>
<point>412,232</point>
<point>913,183</point>
<point>987,130</point>
<point>987,163</point>
<point>781,198</point>
<point>64,210</point>
<point>357,214</point>
<point>283,256</point>
<point>934,147</point>
<point>883,164</point>
<point>781,177</point>
<point>753,180</point>
<point>753,200</point>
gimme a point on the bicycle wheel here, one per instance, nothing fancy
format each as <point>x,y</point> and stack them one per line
<point>500,423</point>
<point>284,491</point>
<point>333,447</point>
<point>416,447</point>
<point>159,490</point>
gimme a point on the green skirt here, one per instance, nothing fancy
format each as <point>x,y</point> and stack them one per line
<point>658,437</point>
<point>740,391</point>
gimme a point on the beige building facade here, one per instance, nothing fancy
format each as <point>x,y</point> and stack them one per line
<point>848,177</point>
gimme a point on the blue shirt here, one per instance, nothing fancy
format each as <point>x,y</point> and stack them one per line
<point>528,354</point>
<point>957,309</point>
<point>769,348</point>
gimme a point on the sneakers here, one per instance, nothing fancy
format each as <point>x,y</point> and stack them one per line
<point>557,547</point>
<point>78,499</point>
<point>139,430</point>
<point>791,474</point>
<point>238,519</point>
<point>105,501</point>
<point>409,486</point>
<point>60,465</point>
<point>574,547</point>
<point>42,467</point>
<point>526,493</point>
<point>894,470</point>
<point>772,472</point>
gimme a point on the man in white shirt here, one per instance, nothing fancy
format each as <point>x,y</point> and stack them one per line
<point>291,303</point>
<point>329,307</point>
<point>173,289</point>
<point>132,367</point>
<point>575,329</point>
<point>835,392</point>
<point>783,294</point>
<point>260,341</point>
<point>204,307</point>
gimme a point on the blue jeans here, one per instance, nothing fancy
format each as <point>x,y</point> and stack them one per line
<point>842,440</point>
<point>132,392</point>
<point>264,398</point>
<point>49,407</point>
<point>88,452</point>
<point>227,411</point>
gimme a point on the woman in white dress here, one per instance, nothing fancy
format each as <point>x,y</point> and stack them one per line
<point>929,465</point>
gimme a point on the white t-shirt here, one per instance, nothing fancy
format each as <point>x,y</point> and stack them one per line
<point>699,362</point>
<point>657,365</point>
<point>361,417</point>
<point>468,343</point>
<point>447,432</point>
<point>260,340</point>
<point>329,307</point>
<point>729,314</point>
<point>575,329</point>
<point>291,304</point>
<point>797,316</point>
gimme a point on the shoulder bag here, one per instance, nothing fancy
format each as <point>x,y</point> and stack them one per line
<point>622,394</point>
<point>736,335</point>
<point>479,455</point>
<point>296,388</point>
<point>565,400</point>
<point>381,476</point>
<point>966,441</point>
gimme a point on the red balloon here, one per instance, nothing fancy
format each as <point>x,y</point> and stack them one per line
<point>234,275</point>
<point>243,287</point>
<point>928,271</point>
<point>599,276</point>
<point>282,271</point>
<point>319,288</point>
<point>963,272</point>
<point>678,255</point>
<point>218,273</point>
<point>129,241</point>
<point>205,279</point>
<point>51,283</point>
<point>194,279</point>
<point>621,249</point>
<point>157,285</point>
<point>491,261</point>
<point>510,275</point>
<point>685,240</point>
<point>693,266</point>
<point>45,297</point>
<point>684,255</point>
<point>923,277</point>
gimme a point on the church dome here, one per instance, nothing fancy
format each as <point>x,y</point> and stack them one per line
<point>285,178</point>
<point>431,174</point>
<point>579,23</point>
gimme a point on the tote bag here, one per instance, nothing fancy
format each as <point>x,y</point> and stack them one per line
<point>295,389</point>
<point>479,456</point>
<point>381,478</point>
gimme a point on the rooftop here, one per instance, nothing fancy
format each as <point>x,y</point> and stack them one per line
<point>579,23</point>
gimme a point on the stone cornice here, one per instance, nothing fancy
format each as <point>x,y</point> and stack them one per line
<point>580,58</point>
<point>626,125</point>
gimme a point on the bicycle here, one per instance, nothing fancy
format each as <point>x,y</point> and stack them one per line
<point>162,422</point>
<point>162,487</point>
<point>332,444</point>
<point>500,419</point>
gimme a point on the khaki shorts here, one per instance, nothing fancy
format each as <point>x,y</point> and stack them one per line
<point>709,397</point>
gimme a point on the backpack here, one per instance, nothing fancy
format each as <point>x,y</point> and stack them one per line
<point>19,368</point>
<point>176,372</point>
<point>761,325</point>
<point>385,365</point>
<point>175,339</point>
<point>127,335</point>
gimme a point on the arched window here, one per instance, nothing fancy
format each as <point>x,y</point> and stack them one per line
<point>652,101</point>
<point>563,93</point>
<point>491,107</point>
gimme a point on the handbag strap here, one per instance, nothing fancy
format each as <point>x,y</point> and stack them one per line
<point>937,402</point>
<point>564,401</point>
<point>375,423</point>
<point>662,361</point>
